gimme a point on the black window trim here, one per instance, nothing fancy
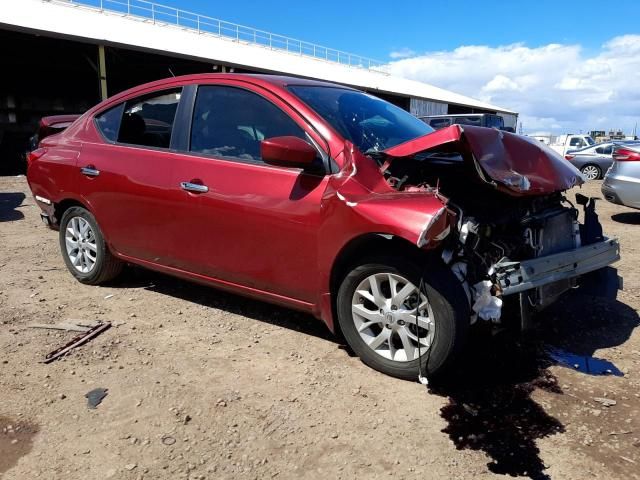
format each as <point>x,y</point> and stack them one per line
<point>181,135</point>
<point>326,160</point>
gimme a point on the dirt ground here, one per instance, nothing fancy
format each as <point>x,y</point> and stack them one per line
<point>203,384</point>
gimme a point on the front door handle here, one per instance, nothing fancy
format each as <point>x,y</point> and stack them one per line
<point>194,187</point>
<point>90,171</point>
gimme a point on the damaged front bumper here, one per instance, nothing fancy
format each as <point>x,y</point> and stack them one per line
<point>517,277</point>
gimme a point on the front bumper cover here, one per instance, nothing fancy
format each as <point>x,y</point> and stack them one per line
<point>516,277</point>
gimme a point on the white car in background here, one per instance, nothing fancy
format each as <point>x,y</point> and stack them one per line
<point>571,141</point>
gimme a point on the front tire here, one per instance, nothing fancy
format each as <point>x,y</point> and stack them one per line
<point>377,304</point>
<point>84,249</point>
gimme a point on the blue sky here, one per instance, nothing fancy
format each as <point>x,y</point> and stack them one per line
<point>375,29</point>
<point>565,66</point>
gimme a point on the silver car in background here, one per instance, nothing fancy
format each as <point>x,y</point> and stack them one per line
<point>622,182</point>
<point>592,161</point>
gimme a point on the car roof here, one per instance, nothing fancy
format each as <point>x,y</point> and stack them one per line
<point>592,147</point>
<point>449,115</point>
<point>264,80</point>
<point>633,145</point>
<point>281,81</point>
<point>284,80</point>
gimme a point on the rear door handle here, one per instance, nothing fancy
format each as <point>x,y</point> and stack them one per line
<point>194,187</point>
<point>90,171</point>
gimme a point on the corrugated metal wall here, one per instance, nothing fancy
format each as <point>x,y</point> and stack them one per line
<point>420,107</point>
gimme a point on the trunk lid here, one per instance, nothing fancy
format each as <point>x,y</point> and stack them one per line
<point>516,164</point>
<point>54,124</point>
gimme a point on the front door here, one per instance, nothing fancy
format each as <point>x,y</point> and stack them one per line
<point>255,225</point>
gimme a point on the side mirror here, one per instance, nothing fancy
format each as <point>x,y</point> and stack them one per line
<point>288,152</point>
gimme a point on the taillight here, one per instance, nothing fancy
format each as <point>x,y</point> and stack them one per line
<point>35,154</point>
<point>626,155</point>
<point>568,157</point>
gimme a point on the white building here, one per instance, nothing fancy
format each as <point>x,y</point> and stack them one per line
<point>66,55</point>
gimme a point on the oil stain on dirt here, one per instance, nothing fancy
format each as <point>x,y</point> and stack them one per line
<point>16,440</point>
<point>490,406</point>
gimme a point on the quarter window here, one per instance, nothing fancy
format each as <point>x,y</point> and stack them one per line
<point>231,122</point>
<point>109,122</point>
<point>148,121</point>
<point>604,150</point>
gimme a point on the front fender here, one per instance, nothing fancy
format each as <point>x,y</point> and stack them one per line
<point>420,218</point>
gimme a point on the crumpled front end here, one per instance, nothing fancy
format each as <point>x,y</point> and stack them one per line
<point>529,263</point>
<point>516,164</point>
<point>516,238</point>
<point>491,203</point>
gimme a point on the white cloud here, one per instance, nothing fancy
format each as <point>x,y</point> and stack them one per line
<point>554,87</point>
<point>402,53</point>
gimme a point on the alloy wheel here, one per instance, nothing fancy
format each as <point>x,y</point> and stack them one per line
<point>392,317</point>
<point>81,245</point>
<point>591,172</point>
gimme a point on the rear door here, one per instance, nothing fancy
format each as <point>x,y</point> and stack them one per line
<point>256,225</point>
<point>126,179</point>
<point>604,157</point>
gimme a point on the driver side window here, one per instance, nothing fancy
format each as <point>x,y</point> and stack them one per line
<point>230,122</point>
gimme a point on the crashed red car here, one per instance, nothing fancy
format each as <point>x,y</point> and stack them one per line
<point>324,199</point>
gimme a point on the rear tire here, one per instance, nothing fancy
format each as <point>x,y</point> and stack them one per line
<point>84,249</point>
<point>444,316</point>
<point>591,172</point>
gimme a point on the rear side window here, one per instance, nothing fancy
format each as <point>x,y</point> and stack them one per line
<point>148,121</point>
<point>109,122</point>
<point>231,122</point>
<point>604,150</point>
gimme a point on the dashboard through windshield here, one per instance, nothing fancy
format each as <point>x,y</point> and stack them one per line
<point>370,123</point>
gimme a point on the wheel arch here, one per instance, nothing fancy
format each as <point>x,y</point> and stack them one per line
<point>64,205</point>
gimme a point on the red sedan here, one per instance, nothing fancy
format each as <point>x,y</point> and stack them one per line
<point>324,199</point>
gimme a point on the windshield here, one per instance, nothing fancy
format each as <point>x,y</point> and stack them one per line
<point>590,141</point>
<point>369,123</point>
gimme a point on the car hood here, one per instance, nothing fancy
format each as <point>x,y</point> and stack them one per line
<point>516,164</point>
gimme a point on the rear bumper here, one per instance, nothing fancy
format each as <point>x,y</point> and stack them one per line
<point>516,277</point>
<point>46,219</point>
<point>610,194</point>
<point>622,190</point>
